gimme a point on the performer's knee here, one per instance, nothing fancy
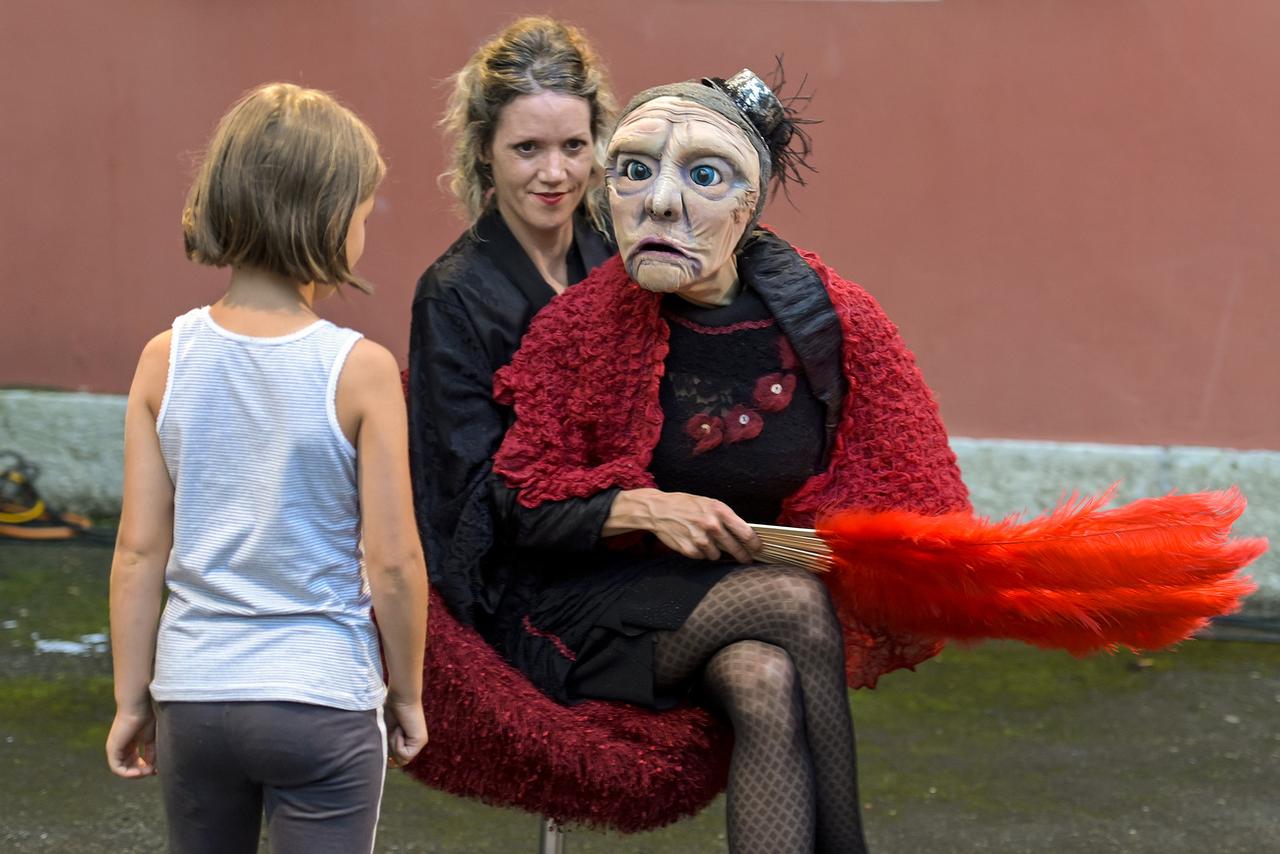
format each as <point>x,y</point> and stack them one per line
<point>756,684</point>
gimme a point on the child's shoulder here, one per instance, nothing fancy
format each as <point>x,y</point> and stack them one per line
<point>155,353</point>
<point>152,374</point>
<point>369,384</point>
<point>370,364</point>
<point>370,355</point>
<point>153,371</point>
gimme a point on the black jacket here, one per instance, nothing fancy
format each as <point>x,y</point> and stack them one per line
<point>470,310</point>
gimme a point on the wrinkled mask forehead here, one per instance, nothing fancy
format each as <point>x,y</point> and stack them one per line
<point>670,126</point>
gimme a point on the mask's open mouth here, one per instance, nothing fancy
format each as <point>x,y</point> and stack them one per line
<point>655,246</point>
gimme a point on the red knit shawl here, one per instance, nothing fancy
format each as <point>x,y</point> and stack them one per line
<point>584,386</point>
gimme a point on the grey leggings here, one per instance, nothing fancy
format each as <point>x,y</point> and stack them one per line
<point>317,771</point>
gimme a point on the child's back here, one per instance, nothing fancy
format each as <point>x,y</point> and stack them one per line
<point>261,685</point>
<point>267,599</point>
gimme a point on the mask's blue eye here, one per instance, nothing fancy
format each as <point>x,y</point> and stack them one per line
<point>704,176</point>
<point>635,170</point>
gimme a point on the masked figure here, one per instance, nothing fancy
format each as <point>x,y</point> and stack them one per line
<point>707,376</point>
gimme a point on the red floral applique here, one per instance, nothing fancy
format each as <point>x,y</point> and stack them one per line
<point>742,423</point>
<point>773,392</point>
<point>706,430</point>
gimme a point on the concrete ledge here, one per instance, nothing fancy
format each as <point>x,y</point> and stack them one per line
<point>1012,476</point>
<point>77,440</point>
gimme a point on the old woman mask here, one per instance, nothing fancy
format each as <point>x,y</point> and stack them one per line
<point>687,172</point>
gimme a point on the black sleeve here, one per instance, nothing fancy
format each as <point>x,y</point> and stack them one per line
<point>467,516</point>
<point>570,525</point>
<point>454,428</point>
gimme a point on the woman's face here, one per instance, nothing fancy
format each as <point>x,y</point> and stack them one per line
<point>683,182</point>
<point>541,157</point>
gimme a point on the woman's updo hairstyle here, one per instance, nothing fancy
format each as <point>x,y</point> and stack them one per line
<point>533,55</point>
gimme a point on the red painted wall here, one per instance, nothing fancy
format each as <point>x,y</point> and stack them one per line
<point>1069,206</point>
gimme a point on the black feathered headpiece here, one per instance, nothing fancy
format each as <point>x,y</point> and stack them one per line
<point>777,122</point>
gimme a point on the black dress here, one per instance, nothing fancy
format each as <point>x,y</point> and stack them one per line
<point>742,425</point>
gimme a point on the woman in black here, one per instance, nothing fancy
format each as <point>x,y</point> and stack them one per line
<point>530,114</point>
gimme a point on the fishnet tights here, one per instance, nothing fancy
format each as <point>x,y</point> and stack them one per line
<point>770,649</point>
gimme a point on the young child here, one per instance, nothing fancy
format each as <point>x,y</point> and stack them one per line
<point>263,448</point>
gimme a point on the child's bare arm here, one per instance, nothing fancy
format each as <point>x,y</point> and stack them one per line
<point>137,570</point>
<point>370,387</point>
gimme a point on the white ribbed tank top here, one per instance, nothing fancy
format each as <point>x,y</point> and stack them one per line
<point>267,594</point>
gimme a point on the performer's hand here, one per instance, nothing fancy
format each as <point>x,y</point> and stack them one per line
<point>692,525</point>
<point>406,730</point>
<point>131,743</point>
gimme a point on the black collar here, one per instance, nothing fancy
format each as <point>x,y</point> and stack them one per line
<point>499,245</point>
<point>800,304</point>
<point>594,249</point>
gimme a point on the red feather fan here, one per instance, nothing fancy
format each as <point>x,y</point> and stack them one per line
<point>1081,578</point>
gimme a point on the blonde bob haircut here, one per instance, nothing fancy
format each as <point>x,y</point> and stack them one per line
<point>532,55</point>
<point>278,185</point>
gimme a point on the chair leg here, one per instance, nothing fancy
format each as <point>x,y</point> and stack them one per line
<point>551,838</point>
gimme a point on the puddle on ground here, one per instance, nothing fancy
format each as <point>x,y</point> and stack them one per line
<point>87,645</point>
